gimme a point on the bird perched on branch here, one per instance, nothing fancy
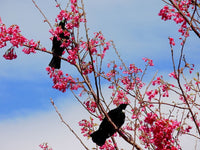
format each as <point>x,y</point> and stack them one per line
<point>106,129</point>
<point>56,49</point>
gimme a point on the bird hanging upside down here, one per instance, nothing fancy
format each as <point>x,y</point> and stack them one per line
<point>56,49</point>
<point>106,129</point>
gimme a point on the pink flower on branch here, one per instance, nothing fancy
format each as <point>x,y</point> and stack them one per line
<point>63,15</point>
<point>73,17</point>
<point>152,93</point>
<point>1,21</point>
<point>86,126</point>
<point>108,145</point>
<point>94,43</point>
<point>171,41</point>
<point>121,98</point>
<point>166,13</point>
<point>91,105</point>
<point>73,1</point>
<point>158,132</point>
<point>10,54</point>
<point>45,146</point>
<point>31,46</point>
<point>149,61</point>
<point>158,81</point>
<point>13,35</point>
<point>62,82</point>
<point>134,69</point>
<point>173,75</point>
<point>72,55</point>
<point>183,8</point>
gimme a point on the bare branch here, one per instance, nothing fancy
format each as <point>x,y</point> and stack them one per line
<point>46,20</point>
<point>66,124</point>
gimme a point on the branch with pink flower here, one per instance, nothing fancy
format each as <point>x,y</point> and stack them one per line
<point>159,112</point>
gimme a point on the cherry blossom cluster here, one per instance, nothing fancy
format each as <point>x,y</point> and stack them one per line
<point>162,86</point>
<point>190,67</point>
<point>130,77</point>
<point>91,105</point>
<point>108,145</point>
<point>86,126</point>
<point>86,67</point>
<point>173,75</point>
<point>121,98</point>
<point>185,6</point>
<point>31,47</point>
<point>133,69</point>
<point>171,41</point>
<point>94,47</point>
<point>151,94</point>
<point>13,35</point>
<point>112,73</point>
<point>99,39</point>
<point>133,79</point>
<point>10,54</point>
<point>73,17</point>
<point>61,81</point>
<point>94,43</point>
<point>159,132</point>
<point>150,61</point>
<point>45,146</point>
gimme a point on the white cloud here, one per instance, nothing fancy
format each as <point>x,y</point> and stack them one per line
<point>28,133</point>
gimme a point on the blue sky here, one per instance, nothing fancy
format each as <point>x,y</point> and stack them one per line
<point>25,87</point>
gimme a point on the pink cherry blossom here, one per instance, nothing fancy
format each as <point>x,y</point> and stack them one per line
<point>45,146</point>
<point>158,132</point>
<point>171,41</point>
<point>62,82</point>
<point>10,54</point>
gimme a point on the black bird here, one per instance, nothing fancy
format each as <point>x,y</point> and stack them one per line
<point>106,129</point>
<point>56,49</point>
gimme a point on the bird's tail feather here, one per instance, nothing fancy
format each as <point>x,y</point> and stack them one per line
<point>98,137</point>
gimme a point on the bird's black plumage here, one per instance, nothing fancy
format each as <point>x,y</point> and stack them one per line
<point>106,129</point>
<point>56,49</point>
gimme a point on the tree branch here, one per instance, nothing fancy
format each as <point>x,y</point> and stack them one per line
<point>66,124</point>
<point>186,19</point>
<point>46,20</point>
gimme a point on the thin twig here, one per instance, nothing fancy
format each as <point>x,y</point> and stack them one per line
<point>46,51</point>
<point>65,123</point>
<point>46,20</point>
<point>119,56</point>
<point>82,103</point>
<point>180,86</point>
<point>58,4</point>
<point>89,49</point>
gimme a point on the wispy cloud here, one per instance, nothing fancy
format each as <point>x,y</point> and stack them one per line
<point>28,132</point>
